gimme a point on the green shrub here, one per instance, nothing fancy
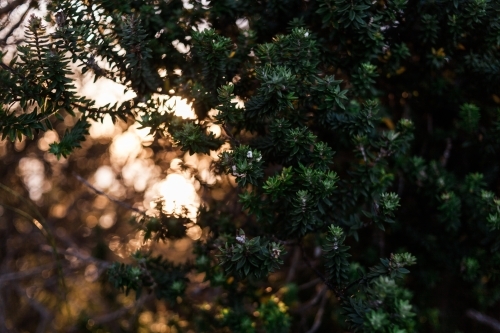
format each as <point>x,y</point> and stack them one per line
<point>370,130</point>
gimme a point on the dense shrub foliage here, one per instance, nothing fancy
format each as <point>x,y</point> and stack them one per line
<point>361,137</point>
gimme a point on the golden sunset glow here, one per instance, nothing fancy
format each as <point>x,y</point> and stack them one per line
<point>130,158</point>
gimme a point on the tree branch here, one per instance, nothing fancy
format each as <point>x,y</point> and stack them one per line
<point>309,284</point>
<point>319,314</point>
<point>483,319</point>
<point>293,266</point>
<point>78,254</point>
<point>446,153</point>
<point>26,273</point>
<point>99,320</point>
<point>118,202</point>
<point>43,311</point>
<point>318,273</point>
<point>11,6</point>
<point>314,300</point>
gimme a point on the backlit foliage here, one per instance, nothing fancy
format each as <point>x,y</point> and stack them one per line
<point>354,138</point>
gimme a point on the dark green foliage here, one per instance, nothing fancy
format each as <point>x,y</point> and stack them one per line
<point>194,139</point>
<point>469,114</point>
<point>382,306</point>
<point>136,60</point>
<point>336,253</point>
<point>450,208</point>
<point>363,128</point>
<point>243,163</point>
<point>125,277</point>
<point>212,51</point>
<point>303,198</point>
<point>390,309</point>
<point>255,257</point>
<point>229,114</point>
<point>71,139</point>
<point>153,274</point>
<point>190,136</point>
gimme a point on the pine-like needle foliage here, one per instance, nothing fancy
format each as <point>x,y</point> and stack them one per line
<point>350,133</point>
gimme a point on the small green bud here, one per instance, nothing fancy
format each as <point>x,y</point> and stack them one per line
<point>389,201</point>
<point>401,260</point>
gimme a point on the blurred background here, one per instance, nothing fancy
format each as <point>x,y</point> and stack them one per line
<point>48,204</point>
<point>85,207</point>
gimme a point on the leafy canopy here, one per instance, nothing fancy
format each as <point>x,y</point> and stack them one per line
<point>364,130</point>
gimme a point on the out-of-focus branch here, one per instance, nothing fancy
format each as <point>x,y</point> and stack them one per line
<point>318,273</point>
<point>231,138</point>
<point>26,273</point>
<point>79,255</point>
<point>3,327</point>
<point>11,6</point>
<point>446,153</point>
<point>45,314</point>
<point>484,319</point>
<point>99,320</point>
<point>314,300</point>
<point>118,202</point>
<point>309,284</point>
<point>319,314</point>
<point>293,266</point>
<point>18,23</point>
<point>121,312</point>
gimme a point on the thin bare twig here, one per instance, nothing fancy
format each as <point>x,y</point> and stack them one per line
<point>123,311</point>
<point>309,284</point>
<point>362,150</point>
<point>43,311</point>
<point>235,142</point>
<point>118,202</point>
<point>318,273</point>
<point>99,320</point>
<point>3,327</point>
<point>401,183</point>
<point>26,273</point>
<point>30,204</point>
<point>293,267</point>
<point>282,242</point>
<point>44,228</point>
<point>314,300</point>
<point>80,256</point>
<point>352,284</point>
<point>484,319</point>
<point>319,314</point>
<point>446,153</point>
<point>379,238</point>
